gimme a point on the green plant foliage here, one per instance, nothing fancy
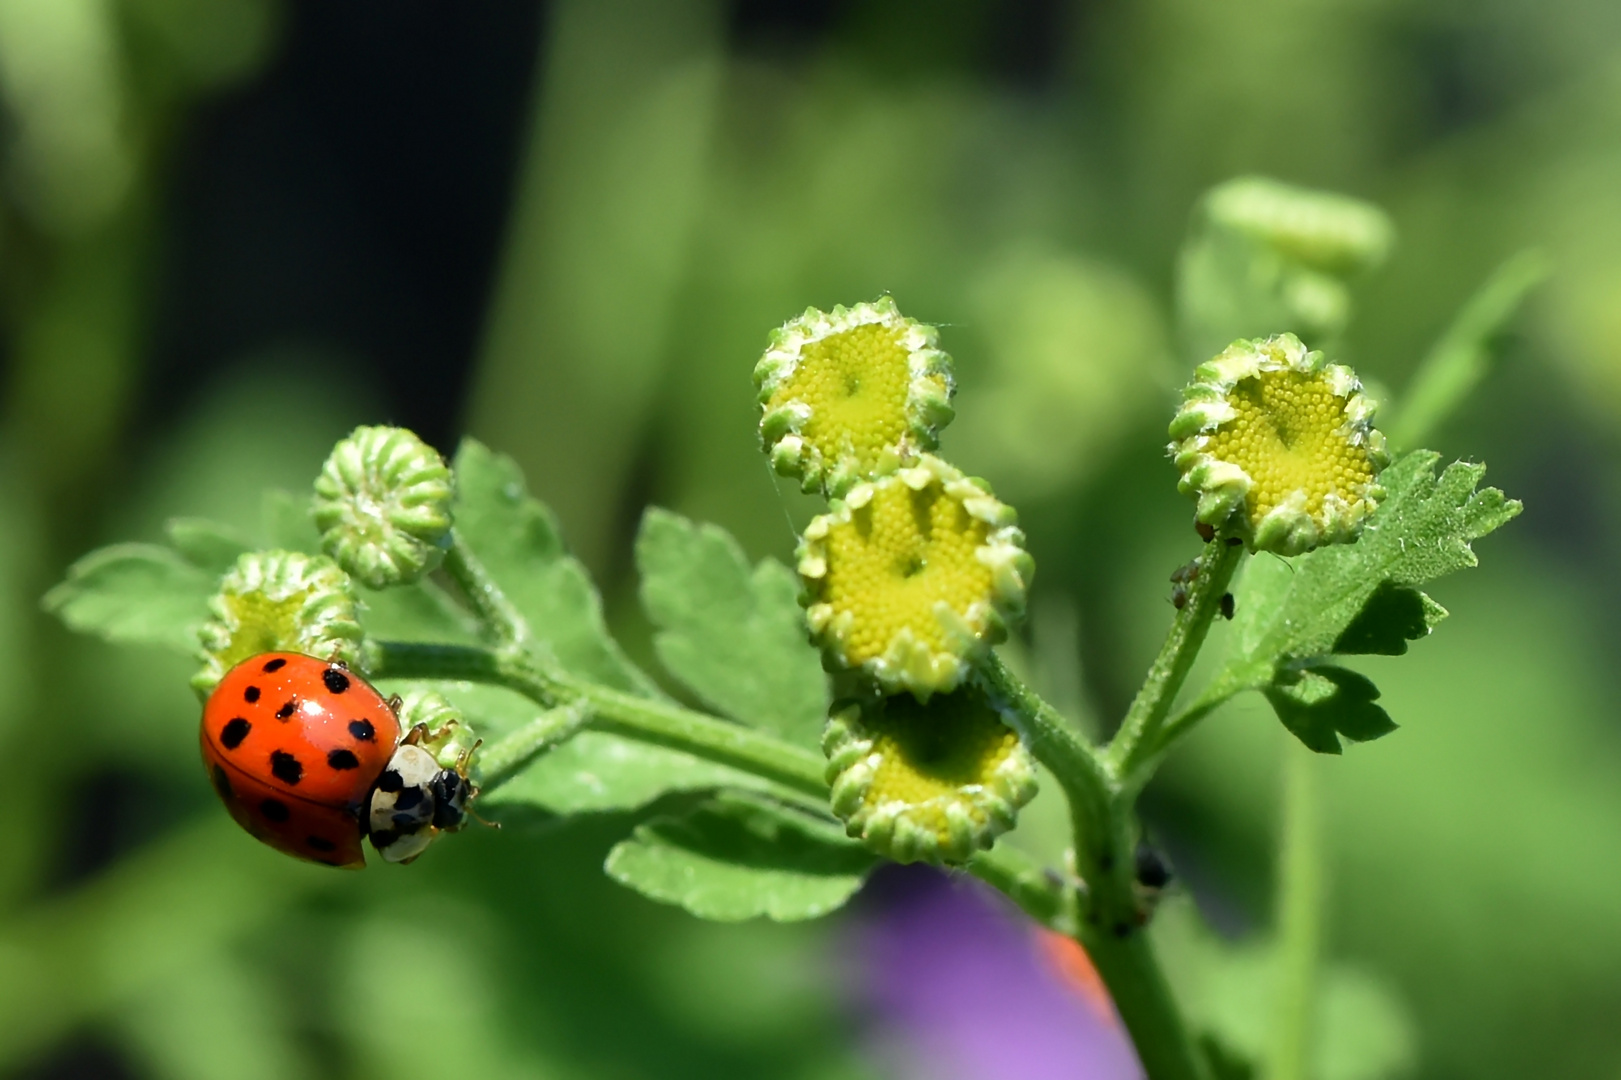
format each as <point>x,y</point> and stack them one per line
<point>1362,1030</point>
<point>1319,603</point>
<point>733,858</point>
<point>733,635</point>
<point>135,594</point>
<point>1458,361</point>
<point>517,540</point>
<point>1319,703</point>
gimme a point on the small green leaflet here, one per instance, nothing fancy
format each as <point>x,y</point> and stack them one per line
<point>734,635</point>
<point>734,858</point>
<point>1315,605</point>
<point>135,594</point>
<point>1360,598</point>
<point>1322,702</point>
<point>516,538</point>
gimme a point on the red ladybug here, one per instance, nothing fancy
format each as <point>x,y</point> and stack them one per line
<point>295,747</point>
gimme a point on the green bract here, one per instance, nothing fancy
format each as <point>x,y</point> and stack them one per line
<point>278,601</point>
<point>450,740</point>
<point>931,783</point>
<point>912,575</point>
<point>1278,446</point>
<point>851,394</point>
<point>383,505</point>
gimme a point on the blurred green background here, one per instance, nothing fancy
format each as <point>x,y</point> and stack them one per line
<point>232,229</point>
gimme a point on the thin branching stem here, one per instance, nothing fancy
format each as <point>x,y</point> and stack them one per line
<point>1139,742</point>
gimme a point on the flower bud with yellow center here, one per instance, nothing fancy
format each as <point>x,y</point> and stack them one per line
<point>913,575</point>
<point>851,394</point>
<point>274,601</point>
<point>931,783</point>
<point>1278,446</point>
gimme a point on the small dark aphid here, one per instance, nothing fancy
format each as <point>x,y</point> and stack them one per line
<point>1227,606</point>
<point>1206,533</point>
<point>1152,871</point>
<point>1181,579</point>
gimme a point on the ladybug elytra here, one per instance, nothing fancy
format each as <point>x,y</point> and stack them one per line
<point>308,758</point>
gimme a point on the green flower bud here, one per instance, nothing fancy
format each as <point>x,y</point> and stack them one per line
<point>931,783</point>
<point>449,738</point>
<point>382,503</point>
<point>851,394</point>
<point>1333,233</point>
<point>1278,446</point>
<point>274,601</point>
<point>912,575</point>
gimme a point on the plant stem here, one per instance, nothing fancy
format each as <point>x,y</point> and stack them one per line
<point>610,710</point>
<point>501,760</point>
<point>1039,892</point>
<point>489,603</point>
<point>1300,903</point>
<point>1138,743</point>
<point>1101,815</point>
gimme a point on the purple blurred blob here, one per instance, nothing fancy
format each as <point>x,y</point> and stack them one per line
<point>958,987</point>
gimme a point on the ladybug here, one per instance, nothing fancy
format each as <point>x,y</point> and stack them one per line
<point>308,758</point>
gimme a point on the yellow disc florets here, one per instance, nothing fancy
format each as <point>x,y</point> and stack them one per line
<point>273,601</point>
<point>1278,446</point>
<point>912,575</point>
<point>932,784</point>
<point>851,394</point>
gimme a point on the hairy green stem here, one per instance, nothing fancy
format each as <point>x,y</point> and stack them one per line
<point>501,760</point>
<point>1138,743</point>
<point>610,710</point>
<point>489,603</point>
<point>1039,891</point>
<point>1300,914</point>
<point>1101,814</point>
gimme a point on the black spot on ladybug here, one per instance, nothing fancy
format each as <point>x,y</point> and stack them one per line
<point>408,798</point>
<point>276,665</point>
<point>234,731</point>
<point>275,810</point>
<point>222,783</point>
<point>251,694</point>
<point>391,781</point>
<point>383,837</point>
<point>336,681</point>
<point>287,710</point>
<point>285,767</point>
<point>320,843</point>
<point>362,730</point>
<point>342,759</point>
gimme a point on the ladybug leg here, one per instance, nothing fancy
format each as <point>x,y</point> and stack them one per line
<point>394,703</point>
<point>415,736</point>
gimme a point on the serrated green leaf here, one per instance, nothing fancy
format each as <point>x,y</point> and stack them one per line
<point>734,858</point>
<point>205,544</point>
<point>1321,703</point>
<point>518,542</point>
<point>139,594</point>
<point>734,636</point>
<point>595,772</point>
<point>1393,616</point>
<point>1303,608</point>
